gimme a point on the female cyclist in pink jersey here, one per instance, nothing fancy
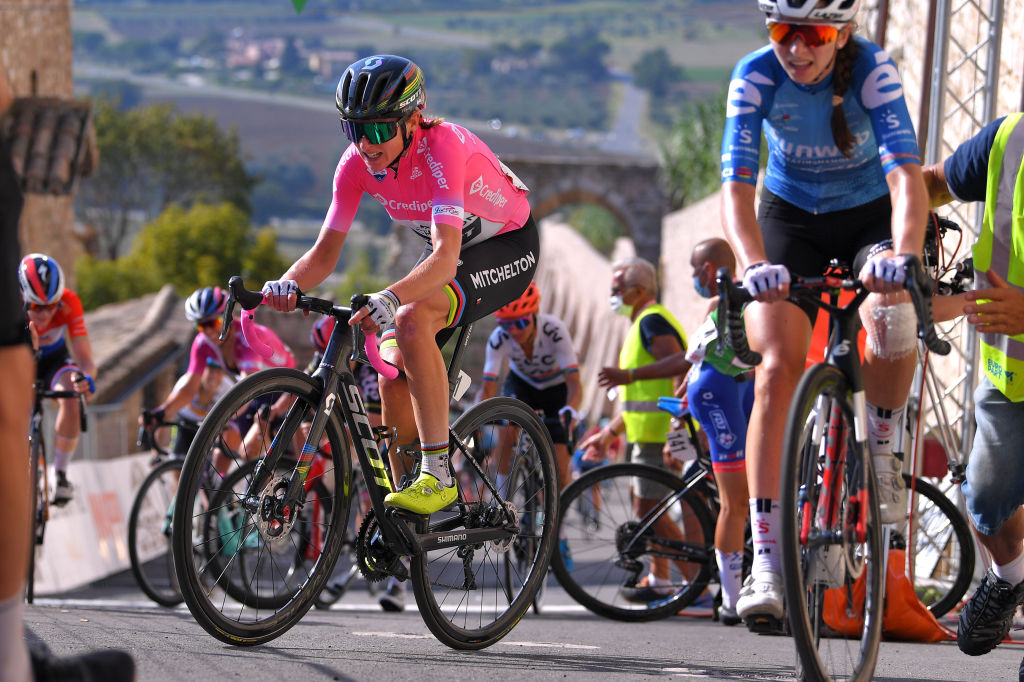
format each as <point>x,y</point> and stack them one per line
<point>481,249</point>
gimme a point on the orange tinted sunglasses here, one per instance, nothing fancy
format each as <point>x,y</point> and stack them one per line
<point>813,35</point>
<point>206,324</point>
<point>38,306</point>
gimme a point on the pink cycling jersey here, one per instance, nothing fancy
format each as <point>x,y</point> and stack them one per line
<point>448,177</point>
<point>246,359</point>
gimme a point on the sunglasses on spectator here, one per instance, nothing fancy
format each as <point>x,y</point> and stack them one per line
<point>40,306</point>
<point>813,35</point>
<point>377,132</point>
<point>519,323</point>
<point>207,324</point>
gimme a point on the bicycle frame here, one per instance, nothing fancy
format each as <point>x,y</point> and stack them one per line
<point>343,401</point>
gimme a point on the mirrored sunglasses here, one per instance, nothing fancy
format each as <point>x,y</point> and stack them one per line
<point>813,35</point>
<point>517,323</point>
<point>207,324</point>
<point>377,132</point>
<point>39,306</point>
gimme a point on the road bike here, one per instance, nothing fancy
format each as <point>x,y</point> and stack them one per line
<point>833,549</point>
<point>612,541</point>
<point>40,480</point>
<point>149,522</point>
<point>465,596</point>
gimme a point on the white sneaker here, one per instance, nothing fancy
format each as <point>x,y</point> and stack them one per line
<point>63,491</point>
<point>393,599</point>
<point>761,596</point>
<point>892,490</point>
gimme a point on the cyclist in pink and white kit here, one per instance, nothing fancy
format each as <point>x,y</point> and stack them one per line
<point>481,249</point>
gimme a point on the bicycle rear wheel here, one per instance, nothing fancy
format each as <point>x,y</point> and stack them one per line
<point>940,548</point>
<point>149,534</point>
<point>832,561</point>
<point>465,594</point>
<point>247,579</point>
<point>612,537</point>
<point>40,512</point>
<point>525,487</point>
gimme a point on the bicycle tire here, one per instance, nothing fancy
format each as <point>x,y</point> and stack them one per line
<point>211,595</point>
<point>941,549</point>
<point>525,487</point>
<point>149,534</point>
<point>814,579</point>
<point>40,512</point>
<point>345,568</point>
<point>464,599</point>
<point>609,557</point>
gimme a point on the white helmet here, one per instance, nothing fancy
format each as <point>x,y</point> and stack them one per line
<point>810,11</point>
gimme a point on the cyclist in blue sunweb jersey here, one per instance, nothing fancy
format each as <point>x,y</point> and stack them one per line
<point>843,176</point>
<point>988,168</point>
<point>720,393</point>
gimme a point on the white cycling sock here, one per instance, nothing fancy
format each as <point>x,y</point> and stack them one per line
<point>14,663</point>
<point>730,574</point>
<point>435,462</point>
<point>61,459</point>
<point>883,425</point>
<point>764,529</point>
<point>1012,572</point>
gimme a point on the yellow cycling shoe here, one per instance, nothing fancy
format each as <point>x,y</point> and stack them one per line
<point>425,495</point>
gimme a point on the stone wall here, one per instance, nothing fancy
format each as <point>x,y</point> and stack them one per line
<point>36,51</point>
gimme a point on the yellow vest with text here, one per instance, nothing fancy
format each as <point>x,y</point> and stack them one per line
<point>1000,248</point>
<point>645,422</point>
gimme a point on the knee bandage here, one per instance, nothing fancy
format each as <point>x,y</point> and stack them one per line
<point>892,333</point>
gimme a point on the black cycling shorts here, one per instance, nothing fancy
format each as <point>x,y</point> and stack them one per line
<point>490,274</point>
<point>546,400</point>
<point>13,325</point>
<point>58,362</point>
<point>806,242</point>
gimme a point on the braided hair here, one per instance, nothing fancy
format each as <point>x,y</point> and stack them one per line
<point>842,74</point>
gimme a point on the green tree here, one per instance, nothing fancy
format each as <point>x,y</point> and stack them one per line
<point>360,278</point>
<point>598,225</point>
<point>690,153</point>
<point>153,157</point>
<point>655,72</point>
<point>202,246</point>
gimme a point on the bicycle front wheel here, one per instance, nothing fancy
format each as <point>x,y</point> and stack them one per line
<point>621,522</point>
<point>247,578</point>
<point>940,548</point>
<point>149,534</point>
<point>831,536</point>
<point>40,512</point>
<point>468,596</point>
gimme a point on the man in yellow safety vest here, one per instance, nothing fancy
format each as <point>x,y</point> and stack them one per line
<point>988,168</point>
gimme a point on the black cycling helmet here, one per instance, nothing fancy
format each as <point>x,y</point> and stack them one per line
<point>382,86</point>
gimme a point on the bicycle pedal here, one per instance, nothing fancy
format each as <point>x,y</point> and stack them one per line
<point>761,624</point>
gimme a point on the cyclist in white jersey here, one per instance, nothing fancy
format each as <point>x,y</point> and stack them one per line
<point>543,369</point>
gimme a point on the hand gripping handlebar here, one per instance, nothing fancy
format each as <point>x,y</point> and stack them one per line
<point>250,300</point>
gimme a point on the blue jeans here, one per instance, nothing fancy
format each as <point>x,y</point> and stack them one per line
<point>994,488</point>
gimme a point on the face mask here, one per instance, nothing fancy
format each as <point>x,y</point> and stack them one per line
<point>703,290</point>
<point>620,308</point>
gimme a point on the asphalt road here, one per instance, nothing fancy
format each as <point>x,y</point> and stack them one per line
<point>355,640</point>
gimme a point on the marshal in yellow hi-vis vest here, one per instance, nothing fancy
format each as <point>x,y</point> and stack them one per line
<point>645,422</point>
<point>1000,248</point>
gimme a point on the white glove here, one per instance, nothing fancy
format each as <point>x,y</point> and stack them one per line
<point>382,307</point>
<point>764,277</point>
<point>889,269</point>
<point>280,287</point>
